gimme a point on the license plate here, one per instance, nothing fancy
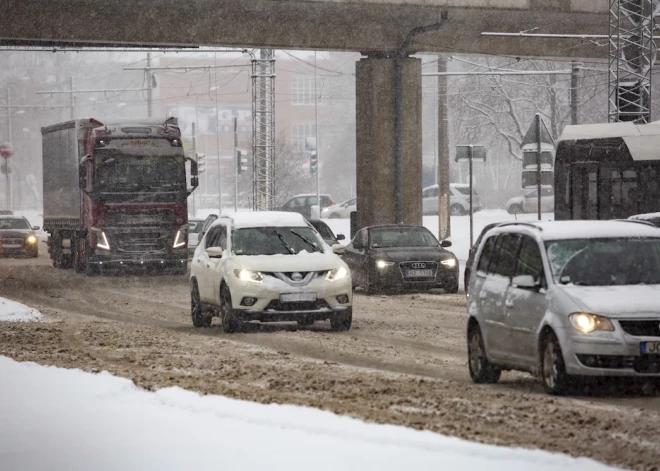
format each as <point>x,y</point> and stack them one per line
<point>297,297</point>
<point>419,273</point>
<point>650,348</point>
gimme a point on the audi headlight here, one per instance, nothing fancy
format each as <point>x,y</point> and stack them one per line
<point>450,262</point>
<point>382,264</point>
<point>179,239</point>
<point>248,275</point>
<point>587,323</point>
<point>101,240</point>
<point>31,239</point>
<point>336,274</point>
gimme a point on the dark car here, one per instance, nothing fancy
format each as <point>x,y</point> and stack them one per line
<point>6,212</point>
<point>302,204</point>
<point>326,233</point>
<point>398,257</point>
<point>473,251</point>
<point>17,237</point>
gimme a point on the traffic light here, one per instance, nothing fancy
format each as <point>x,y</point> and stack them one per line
<point>201,162</point>
<point>313,163</point>
<point>241,161</point>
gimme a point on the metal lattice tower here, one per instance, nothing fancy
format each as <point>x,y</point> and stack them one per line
<point>263,129</point>
<point>632,54</point>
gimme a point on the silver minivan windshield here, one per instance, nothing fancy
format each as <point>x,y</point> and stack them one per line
<point>605,261</point>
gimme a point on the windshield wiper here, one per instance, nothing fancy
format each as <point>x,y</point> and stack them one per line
<point>307,241</point>
<point>284,243</point>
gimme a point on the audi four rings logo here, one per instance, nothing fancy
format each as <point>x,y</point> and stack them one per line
<point>418,265</point>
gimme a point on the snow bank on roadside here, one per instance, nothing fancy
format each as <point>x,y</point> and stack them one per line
<point>11,311</point>
<point>60,419</point>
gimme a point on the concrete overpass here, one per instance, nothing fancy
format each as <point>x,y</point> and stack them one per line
<point>389,94</point>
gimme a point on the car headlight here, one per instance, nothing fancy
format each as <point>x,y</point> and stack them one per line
<point>179,239</point>
<point>336,274</point>
<point>102,240</point>
<point>382,264</point>
<point>587,323</point>
<point>31,239</point>
<point>248,275</point>
<point>450,262</point>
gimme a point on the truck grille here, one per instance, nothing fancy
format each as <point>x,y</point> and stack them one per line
<point>140,217</point>
<point>139,241</point>
<point>650,328</point>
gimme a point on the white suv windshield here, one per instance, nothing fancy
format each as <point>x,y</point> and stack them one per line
<point>275,240</point>
<point>605,262</point>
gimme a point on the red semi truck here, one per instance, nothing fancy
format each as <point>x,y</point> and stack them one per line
<point>115,195</point>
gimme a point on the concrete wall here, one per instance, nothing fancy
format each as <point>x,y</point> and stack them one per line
<point>376,163</point>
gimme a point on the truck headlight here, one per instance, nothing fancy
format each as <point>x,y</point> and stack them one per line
<point>336,274</point>
<point>248,275</point>
<point>179,239</point>
<point>587,323</point>
<point>31,239</point>
<point>102,240</point>
<point>450,262</point>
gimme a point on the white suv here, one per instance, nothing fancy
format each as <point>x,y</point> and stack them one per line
<point>270,267</point>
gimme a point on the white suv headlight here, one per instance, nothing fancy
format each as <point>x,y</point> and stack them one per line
<point>336,274</point>
<point>247,275</point>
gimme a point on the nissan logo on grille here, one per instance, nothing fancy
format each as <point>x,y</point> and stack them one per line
<point>297,276</point>
<point>418,265</point>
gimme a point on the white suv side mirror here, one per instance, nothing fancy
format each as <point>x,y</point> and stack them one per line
<point>215,252</point>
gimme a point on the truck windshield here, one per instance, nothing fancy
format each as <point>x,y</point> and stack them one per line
<point>120,172</point>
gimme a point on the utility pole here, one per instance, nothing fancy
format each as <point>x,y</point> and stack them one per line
<point>194,149</point>
<point>236,164</point>
<point>217,133</point>
<point>575,71</point>
<point>316,139</point>
<point>444,231</point>
<point>72,99</point>
<point>10,202</point>
<point>149,92</point>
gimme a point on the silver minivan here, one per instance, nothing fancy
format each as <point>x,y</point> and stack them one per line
<point>565,299</point>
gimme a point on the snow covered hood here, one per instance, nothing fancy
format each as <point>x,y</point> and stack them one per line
<point>617,301</point>
<point>301,262</point>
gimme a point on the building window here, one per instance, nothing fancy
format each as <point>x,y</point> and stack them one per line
<point>299,132</point>
<point>302,90</point>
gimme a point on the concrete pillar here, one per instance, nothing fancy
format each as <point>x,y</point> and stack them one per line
<point>376,145</point>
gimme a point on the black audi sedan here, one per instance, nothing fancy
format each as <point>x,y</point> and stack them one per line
<point>17,237</point>
<point>398,258</point>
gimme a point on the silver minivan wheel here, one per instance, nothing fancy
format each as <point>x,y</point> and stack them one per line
<point>481,371</point>
<point>552,368</point>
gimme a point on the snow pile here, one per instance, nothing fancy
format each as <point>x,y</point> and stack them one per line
<point>11,311</point>
<point>60,419</point>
